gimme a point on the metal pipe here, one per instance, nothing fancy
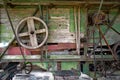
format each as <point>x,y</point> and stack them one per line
<point>79,22</point>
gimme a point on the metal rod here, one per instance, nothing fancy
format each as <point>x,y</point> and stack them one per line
<point>76,29</point>
<point>106,42</point>
<point>79,22</point>
<point>41,16</point>
<point>113,29</point>
<point>13,29</point>
<point>101,51</point>
<point>13,39</point>
<point>86,31</point>
<point>47,21</point>
<point>94,53</point>
<point>100,6</point>
<point>40,10</point>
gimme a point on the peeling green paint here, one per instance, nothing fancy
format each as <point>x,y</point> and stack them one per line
<point>83,15</point>
<point>5,34</point>
<point>72,22</point>
<point>69,65</point>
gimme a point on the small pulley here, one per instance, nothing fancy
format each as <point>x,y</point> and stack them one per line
<point>32,32</point>
<point>28,67</point>
<point>99,18</point>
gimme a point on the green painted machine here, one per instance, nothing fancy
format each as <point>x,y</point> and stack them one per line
<point>60,35</point>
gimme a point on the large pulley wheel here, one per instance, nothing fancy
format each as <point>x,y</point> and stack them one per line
<point>116,50</point>
<point>32,32</point>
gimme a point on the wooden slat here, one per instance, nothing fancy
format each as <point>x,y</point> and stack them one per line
<point>65,3</point>
<point>40,31</point>
<point>23,34</point>
<point>31,28</point>
<point>36,58</point>
<point>27,33</point>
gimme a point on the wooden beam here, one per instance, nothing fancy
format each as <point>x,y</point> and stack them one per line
<point>69,3</point>
<point>37,58</point>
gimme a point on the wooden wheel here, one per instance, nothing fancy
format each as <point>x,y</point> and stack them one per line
<point>32,32</point>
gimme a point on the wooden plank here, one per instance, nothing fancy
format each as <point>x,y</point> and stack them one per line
<point>40,31</point>
<point>27,33</point>
<point>19,58</point>
<point>24,34</point>
<point>34,58</point>
<point>80,58</point>
<point>31,29</point>
<point>61,36</point>
<point>10,57</point>
<point>64,3</point>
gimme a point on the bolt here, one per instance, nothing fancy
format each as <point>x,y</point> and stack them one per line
<point>32,32</point>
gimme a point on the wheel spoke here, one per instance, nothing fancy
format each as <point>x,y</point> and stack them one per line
<point>40,31</point>
<point>31,29</point>
<point>23,34</point>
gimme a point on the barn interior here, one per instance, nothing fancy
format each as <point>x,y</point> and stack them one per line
<point>59,39</point>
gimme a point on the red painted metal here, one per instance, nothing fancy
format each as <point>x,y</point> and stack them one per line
<point>61,46</point>
<point>16,51</point>
<point>1,50</point>
<point>54,47</point>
